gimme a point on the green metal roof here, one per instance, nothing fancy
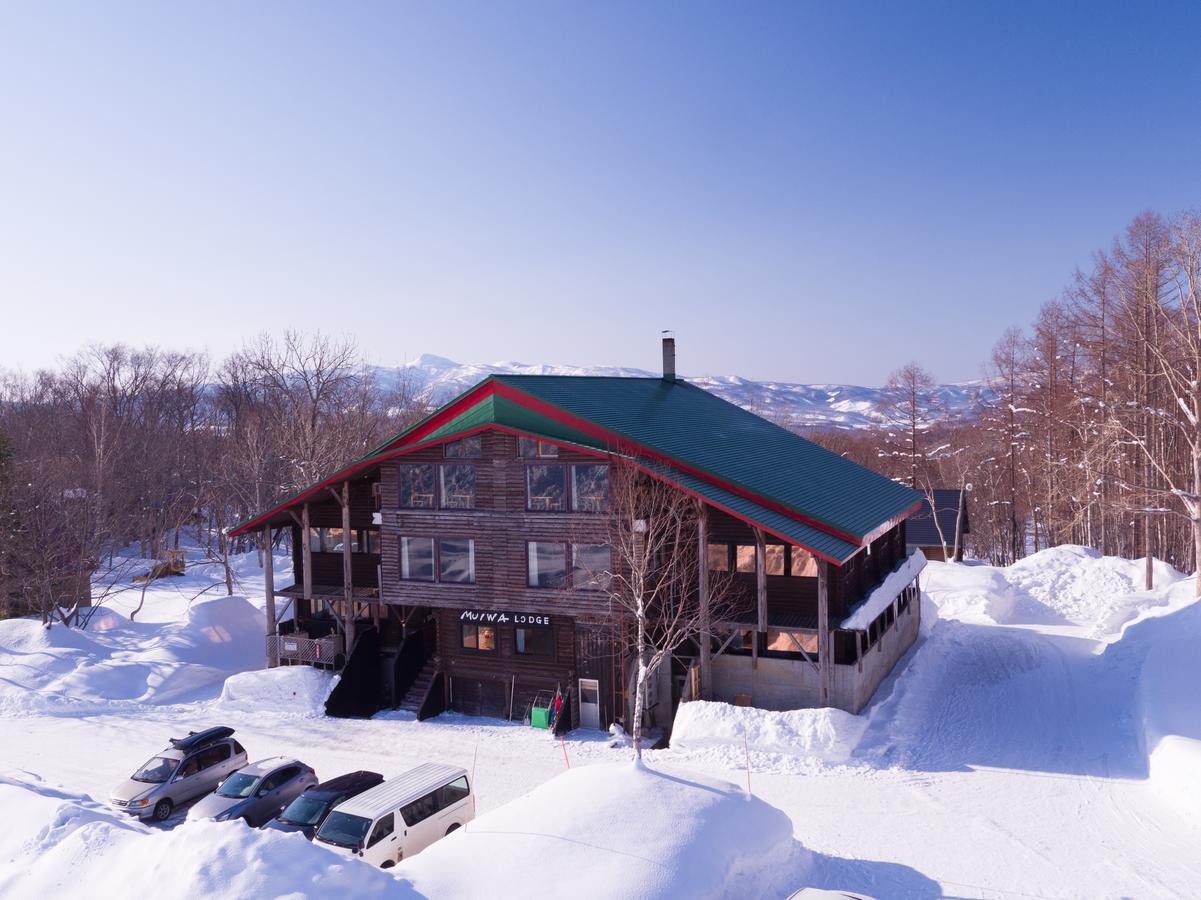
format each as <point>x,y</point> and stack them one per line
<point>703,432</point>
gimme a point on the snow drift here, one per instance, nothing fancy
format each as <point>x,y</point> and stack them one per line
<point>118,662</point>
<point>619,831</point>
<point>291,690</point>
<point>829,734</point>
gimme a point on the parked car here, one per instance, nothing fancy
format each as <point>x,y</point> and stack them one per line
<point>402,816</point>
<point>258,792</point>
<point>821,894</point>
<point>306,813</point>
<point>190,767</point>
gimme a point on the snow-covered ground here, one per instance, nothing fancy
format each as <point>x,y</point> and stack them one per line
<point>1043,739</point>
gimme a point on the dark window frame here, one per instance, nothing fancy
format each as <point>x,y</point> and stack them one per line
<point>475,440</point>
<point>540,446</point>
<point>565,468</point>
<point>549,653</point>
<point>566,545</point>
<point>437,558</point>
<point>440,481</point>
<point>434,487</point>
<point>574,499</point>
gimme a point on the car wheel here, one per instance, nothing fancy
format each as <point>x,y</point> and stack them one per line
<point>454,827</point>
<point>387,864</point>
<point>162,810</point>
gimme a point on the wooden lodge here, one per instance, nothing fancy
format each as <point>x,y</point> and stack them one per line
<point>452,567</point>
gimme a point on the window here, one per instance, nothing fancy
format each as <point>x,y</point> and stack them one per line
<point>458,487</point>
<point>420,810</point>
<point>456,560</point>
<point>531,448</point>
<point>454,792</point>
<point>546,488</point>
<point>368,541</point>
<point>591,565</point>
<point>478,637</point>
<point>789,641</point>
<point>190,767</point>
<point>417,559</point>
<point>382,829</point>
<point>774,559</point>
<point>590,488</point>
<point>214,755</point>
<point>470,447</point>
<point>804,564</point>
<point>416,486</point>
<point>744,558</point>
<point>534,641</point>
<point>548,564</point>
<point>719,557</point>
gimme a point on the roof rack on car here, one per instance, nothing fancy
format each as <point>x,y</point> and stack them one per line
<point>197,739</point>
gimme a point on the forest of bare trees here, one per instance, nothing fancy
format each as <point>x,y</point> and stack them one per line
<point>1088,432</point>
<point>121,447</point>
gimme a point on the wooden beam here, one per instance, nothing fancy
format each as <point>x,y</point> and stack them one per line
<point>824,644</point>
<point>340,497</point>
<point>269,588</point>
<point>295,518</point>
<point>306,557</point>
<point>702,538</point>
<point>347,581</point>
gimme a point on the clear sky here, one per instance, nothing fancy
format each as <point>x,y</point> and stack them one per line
<point>804,192</point>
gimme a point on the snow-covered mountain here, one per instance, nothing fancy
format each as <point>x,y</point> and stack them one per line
<point>437,380</point>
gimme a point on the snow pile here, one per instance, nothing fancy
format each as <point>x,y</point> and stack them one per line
<point>61,845</point>
<point>291,690</point>
<point>883,595</point>
<point>828,734</point>
<point>619,831</point>
<point>115,661</point>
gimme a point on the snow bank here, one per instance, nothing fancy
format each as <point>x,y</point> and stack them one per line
<point>619,831</point>
<point>57,844</point>
<point>292,690</point>
<point>828,734</point>
<point>115,661</point>
<point>883,595</point>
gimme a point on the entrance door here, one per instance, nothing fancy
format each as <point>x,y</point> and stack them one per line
<point>590,703</point>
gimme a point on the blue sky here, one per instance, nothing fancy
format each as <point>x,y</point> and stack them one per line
<point>803,192</point>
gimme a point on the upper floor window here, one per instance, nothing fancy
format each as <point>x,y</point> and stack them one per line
<point>591,566</point>
<point>590,487</point>
<point>470,447</point>
<point>532,448</point>
<point>417,558</point>
<point>547,564</point>
<point>458,486</point>
<point>416,484</point>
<point>546,487</point>
<point>804,563</point>
<point>719,557</point>
<point>456,560</point>
<point>331,540</point>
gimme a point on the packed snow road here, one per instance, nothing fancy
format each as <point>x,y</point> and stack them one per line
<point>1021,750</point>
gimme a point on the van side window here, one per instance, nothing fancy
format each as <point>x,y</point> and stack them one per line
<point>190,766</point>
<point>214,755</point>
<point>382,829</point>
<point>454,792</point>
<point>420,810</point>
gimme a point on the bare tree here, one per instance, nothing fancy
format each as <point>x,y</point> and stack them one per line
<point>653,587</point>
<point>910,408</point>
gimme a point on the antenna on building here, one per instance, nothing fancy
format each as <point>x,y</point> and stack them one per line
<point>669,355</point>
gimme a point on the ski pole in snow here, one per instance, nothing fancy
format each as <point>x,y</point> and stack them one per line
<point>563,744</point>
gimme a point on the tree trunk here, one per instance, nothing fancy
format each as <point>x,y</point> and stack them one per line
<point>640,685</point>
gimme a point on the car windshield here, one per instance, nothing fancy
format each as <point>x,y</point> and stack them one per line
<point>344,830</point>
<point>157,770</point>
<point>238,785</point>
<point>304,811</point>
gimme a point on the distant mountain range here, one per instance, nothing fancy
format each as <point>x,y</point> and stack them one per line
<point>801,406</point>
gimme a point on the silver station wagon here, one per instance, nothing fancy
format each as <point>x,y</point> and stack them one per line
<point>189,768</point>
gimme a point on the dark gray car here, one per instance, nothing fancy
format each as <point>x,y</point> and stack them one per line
<point>258,792</point>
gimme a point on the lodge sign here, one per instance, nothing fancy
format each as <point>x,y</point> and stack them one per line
<point>521,620</point>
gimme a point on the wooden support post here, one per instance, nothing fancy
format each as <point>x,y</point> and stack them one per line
<point>347,580</point>
<point>825,646</point>
<point>269,589</point>
<point>706,637</point>
<point>306,559</point>
<point>760,593</point>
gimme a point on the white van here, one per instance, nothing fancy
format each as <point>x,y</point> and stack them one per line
<point>402,816</point>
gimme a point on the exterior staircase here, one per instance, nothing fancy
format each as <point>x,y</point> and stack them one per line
<point>415,696</point>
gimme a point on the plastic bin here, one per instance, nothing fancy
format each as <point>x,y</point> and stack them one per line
<point>539,716</point>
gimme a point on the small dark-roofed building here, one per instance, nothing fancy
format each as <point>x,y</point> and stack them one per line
<point>922,531</point>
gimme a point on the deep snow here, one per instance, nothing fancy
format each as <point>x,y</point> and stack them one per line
<point>1042,739</point>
